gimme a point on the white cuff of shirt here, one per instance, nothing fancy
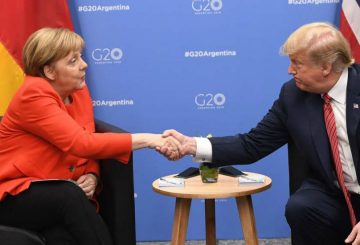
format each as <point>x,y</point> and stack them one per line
<point>203,150</point>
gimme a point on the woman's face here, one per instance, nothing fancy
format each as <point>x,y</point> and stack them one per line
<point>67,74</point>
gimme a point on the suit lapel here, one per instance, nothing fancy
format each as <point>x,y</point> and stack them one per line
<point>353,115</point>
<point>318,132</point>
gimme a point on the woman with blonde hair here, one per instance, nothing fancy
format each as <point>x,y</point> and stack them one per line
<point>48,133</point>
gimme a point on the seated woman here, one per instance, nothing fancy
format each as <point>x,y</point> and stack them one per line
<point>47,133</point>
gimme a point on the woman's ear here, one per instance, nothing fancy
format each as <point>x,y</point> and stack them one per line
<point>49,72</point>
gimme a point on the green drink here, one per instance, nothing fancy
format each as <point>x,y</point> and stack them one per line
<point>208,174</point>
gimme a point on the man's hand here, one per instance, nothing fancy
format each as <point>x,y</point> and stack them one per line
<point>187,144</point>
<point>354,237</point>
<point>88,183</point>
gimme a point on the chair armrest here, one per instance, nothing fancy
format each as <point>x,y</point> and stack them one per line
<point>103,127</point>
<point>116,199</point>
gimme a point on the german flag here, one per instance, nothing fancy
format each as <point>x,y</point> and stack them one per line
<point>18,19</point>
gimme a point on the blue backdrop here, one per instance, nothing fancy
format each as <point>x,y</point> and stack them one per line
<point>199,66</point>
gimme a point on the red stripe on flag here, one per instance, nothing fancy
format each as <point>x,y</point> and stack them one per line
<point>345,28</point>
<point>20,18</point>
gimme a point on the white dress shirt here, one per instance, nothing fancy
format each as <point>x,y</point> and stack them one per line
<point>338,103</point>
<point>203,150</point>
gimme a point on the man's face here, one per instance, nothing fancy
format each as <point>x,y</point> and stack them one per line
<point>309,77</point>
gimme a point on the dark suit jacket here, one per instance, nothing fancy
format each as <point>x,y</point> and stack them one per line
<point>298,116</point>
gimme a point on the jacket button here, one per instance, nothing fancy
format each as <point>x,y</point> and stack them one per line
<point>72,168</point>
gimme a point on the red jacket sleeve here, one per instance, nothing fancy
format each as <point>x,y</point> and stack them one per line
<point>44,114</point>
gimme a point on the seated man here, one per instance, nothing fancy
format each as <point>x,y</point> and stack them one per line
<point>319,111</point>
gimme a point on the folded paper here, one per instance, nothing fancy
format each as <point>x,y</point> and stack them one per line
<point>171,182</point>
<point>251,178</point>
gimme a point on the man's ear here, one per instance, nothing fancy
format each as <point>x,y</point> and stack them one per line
<point>326,69</point>
<point>49,72</point>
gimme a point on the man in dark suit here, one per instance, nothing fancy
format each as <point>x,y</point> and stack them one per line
<point>322,67</point>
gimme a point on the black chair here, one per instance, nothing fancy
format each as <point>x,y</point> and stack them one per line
<point>116,203</point>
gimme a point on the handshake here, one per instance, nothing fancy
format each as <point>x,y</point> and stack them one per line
<point>172,144</point>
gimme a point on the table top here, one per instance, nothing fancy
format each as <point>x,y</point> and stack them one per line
<point>225,187</point>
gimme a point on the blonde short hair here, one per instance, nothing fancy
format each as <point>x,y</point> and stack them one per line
<point>48,45</point>
<point>322,43</point>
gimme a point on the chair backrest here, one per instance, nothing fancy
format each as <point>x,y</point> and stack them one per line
<point>298,167</point>
<point>117,205</point>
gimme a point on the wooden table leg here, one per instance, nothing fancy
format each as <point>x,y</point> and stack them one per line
<point>246,213</point>
<point>210,222</point>
<point>181,218</point>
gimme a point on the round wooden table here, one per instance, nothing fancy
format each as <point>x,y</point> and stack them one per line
<point>224,188</point>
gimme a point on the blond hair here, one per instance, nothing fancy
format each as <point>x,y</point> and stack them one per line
<point>48,45</point>
<point>322,43</point>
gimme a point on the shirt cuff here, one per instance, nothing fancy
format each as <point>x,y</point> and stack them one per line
<point>203,150</point>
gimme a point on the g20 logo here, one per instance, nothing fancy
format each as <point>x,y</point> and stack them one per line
<point>207,5</point>
<point>106,55</point>
<point>210,100</point>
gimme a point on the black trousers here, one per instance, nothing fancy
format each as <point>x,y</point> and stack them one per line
<point>317,215</point>
<point>59,210</point>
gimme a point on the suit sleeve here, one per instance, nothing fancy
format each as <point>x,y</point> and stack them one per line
<point>42,114</point>
<point>269,135</point>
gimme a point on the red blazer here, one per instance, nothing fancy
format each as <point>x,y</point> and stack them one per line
<point>42,138</point>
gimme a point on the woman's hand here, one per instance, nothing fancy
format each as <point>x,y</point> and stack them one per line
<point>88,183</point>
<point>354,237</point>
